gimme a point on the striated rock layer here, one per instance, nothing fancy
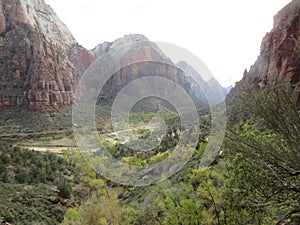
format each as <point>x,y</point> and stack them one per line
<point>280,52</point>
<point>40,61</point>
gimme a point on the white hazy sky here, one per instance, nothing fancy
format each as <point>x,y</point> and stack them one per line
<point>225,35</point>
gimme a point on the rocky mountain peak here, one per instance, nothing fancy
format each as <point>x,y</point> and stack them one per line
<point>127,39</point>
<point>38,15</point>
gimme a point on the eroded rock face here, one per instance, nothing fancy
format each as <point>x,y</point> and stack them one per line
<point>280,51</point>
<point>40,61</point>
<point>150,61</point>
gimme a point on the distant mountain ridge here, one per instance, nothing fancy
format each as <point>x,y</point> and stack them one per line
<point>209,90</point>
<point>41,62</point>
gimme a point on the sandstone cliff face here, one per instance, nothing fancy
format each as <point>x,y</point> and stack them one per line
<point>280,51</point>
<point>40,61</point>
<point>156,64</point>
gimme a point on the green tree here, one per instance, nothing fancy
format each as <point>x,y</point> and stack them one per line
<point>71,217</point>
<point>64,188</point>
<point>265,155</point>
<point>103,210</point>
<point>4,174</point>
<point>21,175</point>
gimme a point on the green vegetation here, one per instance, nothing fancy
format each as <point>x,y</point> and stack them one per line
<point>136,118</point>
<point>254,180</point>
<point>30,204</point>
<point>36,188</point>
<point>265,159</point>
<point>34,125</point>
<point>32,122</point>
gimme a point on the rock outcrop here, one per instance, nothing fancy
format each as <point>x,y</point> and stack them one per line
<point>40,61</point>
<point>280,52</point>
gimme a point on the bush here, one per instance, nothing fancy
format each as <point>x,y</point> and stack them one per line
<point>64,189</point>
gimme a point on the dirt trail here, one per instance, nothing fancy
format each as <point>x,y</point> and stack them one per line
<point>33,133</point>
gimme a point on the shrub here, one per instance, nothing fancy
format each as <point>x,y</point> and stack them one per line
<point>64,188</point>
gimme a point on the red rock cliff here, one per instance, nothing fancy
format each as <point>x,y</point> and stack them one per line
<point>40,61</point>
<point>280,51</point>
